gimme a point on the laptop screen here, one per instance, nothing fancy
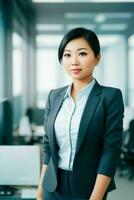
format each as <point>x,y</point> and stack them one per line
<point>19,165</point>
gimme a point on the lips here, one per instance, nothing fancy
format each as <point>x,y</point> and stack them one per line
<point>76,71</point>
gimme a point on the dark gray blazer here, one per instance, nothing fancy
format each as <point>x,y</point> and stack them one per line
<point>98,145</point>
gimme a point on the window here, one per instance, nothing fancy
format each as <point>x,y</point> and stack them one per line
<point>17,64</point>
<point>131,72</point>
<point>1,56</point>
<point>46,73</point>
<point>17,77</point>
<point>47,66</point>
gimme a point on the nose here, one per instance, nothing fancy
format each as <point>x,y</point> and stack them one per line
<point>74,61</point>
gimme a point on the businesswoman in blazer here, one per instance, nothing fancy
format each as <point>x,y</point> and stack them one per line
<point>83,127</point>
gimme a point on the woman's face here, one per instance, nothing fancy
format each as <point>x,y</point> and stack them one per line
<point>79,59</point>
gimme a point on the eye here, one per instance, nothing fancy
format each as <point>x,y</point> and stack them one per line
<point>66,55</point>
<point>83,54</point>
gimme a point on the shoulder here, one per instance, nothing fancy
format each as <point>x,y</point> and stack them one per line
<point>112,95</point>
<point>106,90</point>
<point>58,91</point>
<point>109,93</point>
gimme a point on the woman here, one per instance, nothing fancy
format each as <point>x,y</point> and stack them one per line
<point>83,127</point>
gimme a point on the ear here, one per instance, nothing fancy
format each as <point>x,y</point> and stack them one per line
<point>97,59</point>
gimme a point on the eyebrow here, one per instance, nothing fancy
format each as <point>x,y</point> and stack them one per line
<point>77,49</point>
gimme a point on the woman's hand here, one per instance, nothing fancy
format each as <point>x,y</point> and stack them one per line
<point>39,198</point>
<point>39,193</point>
<point>100,187</point>
<point>40,188</point>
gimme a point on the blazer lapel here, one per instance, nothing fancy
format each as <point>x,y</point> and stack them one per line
<point>89,109</point>
<point>56,104</point>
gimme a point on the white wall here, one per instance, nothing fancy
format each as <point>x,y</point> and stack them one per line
<point>112,70</point>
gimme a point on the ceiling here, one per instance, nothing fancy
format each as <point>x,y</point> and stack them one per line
<point>103,18</point>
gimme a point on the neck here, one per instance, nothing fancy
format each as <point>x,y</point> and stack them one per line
<point>77,86</point>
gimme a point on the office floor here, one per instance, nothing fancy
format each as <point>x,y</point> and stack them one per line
<point>124,191</point>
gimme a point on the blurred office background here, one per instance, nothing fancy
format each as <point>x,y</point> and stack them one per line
<point>30,33</point>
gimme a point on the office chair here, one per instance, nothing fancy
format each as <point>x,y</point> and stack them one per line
<point>36,118</point>
<point>36,115</point>
<point>126,166</point>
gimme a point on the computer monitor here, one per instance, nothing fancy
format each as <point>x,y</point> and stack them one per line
<point>6,132</point>
<point>19,165</point>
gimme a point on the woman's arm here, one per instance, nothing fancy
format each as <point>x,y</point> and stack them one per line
<point>39,191</point>
<point>100,187</point>
<point>112,135</point>
<point>111,145</point>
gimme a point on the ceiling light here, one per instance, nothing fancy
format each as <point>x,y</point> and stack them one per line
<point>47,1</point>
<point>123,15</point>
<point>111,1</point>
<point>80,1</point>
<point>89,26</point>
<point>113,27</point>
<point>100,18</point>
<point>81,15</point>
<point>49,27</point>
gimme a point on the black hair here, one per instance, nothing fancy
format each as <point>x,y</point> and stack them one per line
<point>79,32</point>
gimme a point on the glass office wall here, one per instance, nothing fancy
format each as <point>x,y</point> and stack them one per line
<point>131,72</point>
<point>1,54</point>
<point>17,64</point>
<point>115,64</point>
<point>48,67</point>
<point>17,20</point>
<point>22,30</point>
<point>17,53</point>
